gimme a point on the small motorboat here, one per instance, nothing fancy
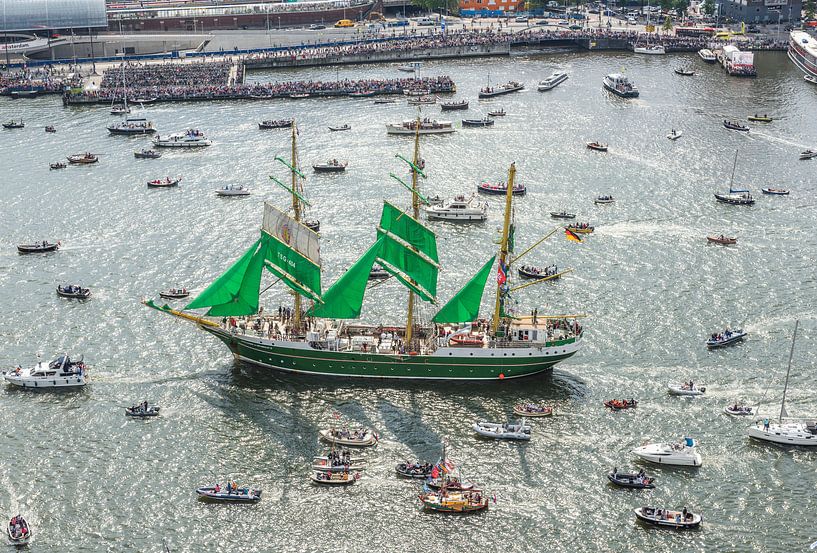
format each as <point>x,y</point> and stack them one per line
<point>83,159</point>
<point>675,135</point>
<point>530,272</point>
<point>581,228</point>
<point>448,482</point>
<point>562,215</point>
<point>378,273</point>
<point>668,519</point>
<point>598,146</point>
<point>142,410</point>
<point>601,200</point>
<point>501,189</point>
<point>684,72</point>
<point>343,127</point>
<point>147,154</point>
<point>275,124</point>
<point>50,129</point>
<point>484,122</point>
<point>507,88</point>
<point>416,92</point>
<point>331,166</point>
<point>382,101</point>
<point>344,478</point>
<point>739,410</point>
<point>451,106</point>
<point>685,389</point>
<point>414,470</point>
<point>735,126</point>
<point>14,124</point>
<point>73,291</point>
<point>735,198</point>
<point>497,113</point>
<point>361,437</point>
<point>410,67</point>
<point>682,453</point>
<point>232,190</point>
<point>620,404</point>
<point>44,246</point>
<point>725,338</point>
<point>807,154</point>
<point>18,530</point>
<point>506,431</point>
<point>174,294</point>
<point>299,96</point>
<point>362,94</point>
<point>59,373</point>
<point>448,501</point>
<point>167,182</point>
<point>459,209</point>
<point>532,410</point>
<point>638,480</point>
<point>145,100</point>
<point>725,240</point>
<point>120,109</point>
<point>338,462</point>
<point>760,118</point>
<point>229,494</point>
<point>775,191</point>
<point>57,165</point>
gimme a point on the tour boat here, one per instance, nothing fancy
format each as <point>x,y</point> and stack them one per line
<point>57,165</point>
<point>620,85</point>
<point>326,464</point>
<point>50,129</point>
<point>192,138</point>
<point>174,294</point>
<point>683,453</point>
<point>532,410</point>
<point>59,373</point>
<point>484,122</point>
<point>19,532</point>
<point>449,106</point>
<point>416,92</point>
<point>707,55</point>
<point>604,200</point>
<point>414,470</point>
<point>167,182</point>
<point>426,126</point>
<point>505,431</point>
<point>738,410</point>
<point>725,240</point>
<point>147,154</point>
<point>684,72</point>
<point>14,124</point>
<point>275,124</point>
<point>620,404</point>
<point>501,189</point>
<point>675,135</point>
<point>82,159</point>
<point>459,209</point>
<point>581,228</point>
<point>220,494</point>
<point>362,437</point>
<point>331,166</point>
<point>555,79</point>
<point>132,126</point>
<point>344,127</point>
<point>636,480</point>
<point>775,191</point>
<point>807,154</point>
<point>650,49</point>
<point>598,146</point>
<point>497,113</point>
<point>507,88</point>
<point>735,126</point>
<point>232,190</point>
<point>73,291</point>
<point>44,246</point>
<point>446,501</point>
<point>685,389</point>
<point>344,478</point>
<point>668,519</point>
<point>760,118</point>
<point>802,51</point>
<point>725,338</point>
<point>142,411</point>
<point>562,215</point>
<point>530,272</point>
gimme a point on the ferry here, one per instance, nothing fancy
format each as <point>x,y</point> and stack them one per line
<point>620,85</point>
<point>132,125</point>
<point>707,55</point>
<point>552,82</point>
<point>802,52</point>
<point>427,126</point>
<point>189,139</point>
<point>507,88</point>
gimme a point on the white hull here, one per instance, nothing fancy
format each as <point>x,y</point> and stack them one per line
<point>228,192</point>
<point>367,440</point>
<point>552,82</point>
<point>677,390</point>
<point>501,431</point>
<point>181,144</point>
<point>666,454</point>
<point>48,381</point>
<point>675,136</point>
<point>650,50</point>
<point>458,217</point>
<point>784,434</point>
<point>400,130</point>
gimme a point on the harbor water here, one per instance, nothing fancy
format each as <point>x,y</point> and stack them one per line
<point>88,479</point>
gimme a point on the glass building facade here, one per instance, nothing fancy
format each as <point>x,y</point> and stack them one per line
<point>33,15</point>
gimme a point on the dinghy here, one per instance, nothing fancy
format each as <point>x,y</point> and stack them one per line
<point>344,127</point>
<point>38,248</point>
<point>562,215</point>
<point>532,410</point>
<point>229,494</point>
<point>807,154</point>
<point>167,182</point>
<point>598,146</point>
<point>725,240</point>
<point>507,431</point>
<point>675,135</point>
<point>738,410</point>
<point>620,404</point>
<point>73,291</point>
<point>685,389</point>
<point>668,519</point>
<point>725,338</point>
<point>142,411</point>
<point>638,480</point>
<point>18,530</point>
<point>335,478</point>
<point>414,470</point>
<point>735,126</point>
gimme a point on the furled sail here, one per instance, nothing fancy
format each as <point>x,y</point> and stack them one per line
<point>464,306</point>
<point>344,299</point>
<point>293,252</point>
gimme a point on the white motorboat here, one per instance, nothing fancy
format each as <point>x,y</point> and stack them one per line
<point>59,373</point>
<point>620,85</point>
<point>681,453</point>
<point>707,55</point>
<point>650,49</point>
<point>507,431</point>
<point>667,518</point>
<point>192,138</point>
<point>362,437</point>
<point>685,389</point>
<point>427,126</point>
<point>460,209</point>
<point>675,135</point>
<point>551,82</point>
<point>797,433</point>
<point>232,190</point>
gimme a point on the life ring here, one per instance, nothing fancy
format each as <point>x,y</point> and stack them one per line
<point>412,353</point>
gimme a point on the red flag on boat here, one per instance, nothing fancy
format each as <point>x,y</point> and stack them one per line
<point>435,472</point>
<point>501,273</point>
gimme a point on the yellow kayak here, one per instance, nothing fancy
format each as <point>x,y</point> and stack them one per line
<point>760,118</point>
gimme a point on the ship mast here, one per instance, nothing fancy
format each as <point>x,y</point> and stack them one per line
<point>296,208</point>
<point>415,211</point>
<point>503,247</point>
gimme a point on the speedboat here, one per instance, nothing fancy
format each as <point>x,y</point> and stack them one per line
<point>43,247</point>
<point>57,165</point>
<point>807,154</point>
<point>18,530</point>
<point>536,273</point>
<point>506,431</point>
<point>684,72</point>
<point>167,182</point>
<point>59,373</point>
<point>275,124</point>
<point>685,389</point>
<point>174,294</point>
<point>147,154</point>
<point>532,410</point>
<point>551,82</point>
<point>620,85</point>
<point>14,124</point>
<point>414,470</point>
<point>484,122</point>
<point>460,209</point>
<point>598,146</point>
<point>725,338</point>
<point>681,453</point>
<point>501,189</point>
<point>668,519</point>
<point>760,118</point>
<point>232,190</point>
<point>675,135</point>
<point>446,501</point>
<point>427,126</point>
<point>73,291</point>
<point>449,106</point>
<point>331,166</point>
<point>497,113</point>
<point>725,240</point>
<point>735,198</point>
<point>738,410</point>
<point>132,126</point>
<point>50,129</point>
<point>344,127</point>
<point>82,159</point>
<point>637,480</point>
<point>142,411</point>
<point>707,55</point>
<point>775,191</point>
<point>620,404</point>
<point>604,200</point>
<point>192,138</point>
<point>361,437</point>
<point>581,228</point>
<point>511,86</point>
<point>735,126</point>
<point>229,494</point>
<point>562,215</point>
<point>344,478</point>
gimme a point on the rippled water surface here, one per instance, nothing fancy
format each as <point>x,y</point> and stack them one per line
<point>90,480</point>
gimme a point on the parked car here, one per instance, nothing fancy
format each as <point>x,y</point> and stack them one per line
<point>575,27</point>
<point>345,23</point>
<point>316,27</point>
<point>522,19</point>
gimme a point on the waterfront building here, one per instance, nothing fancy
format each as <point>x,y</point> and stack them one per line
<point>760,11</point>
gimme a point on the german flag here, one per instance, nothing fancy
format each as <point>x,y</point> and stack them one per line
<point>572,236</point>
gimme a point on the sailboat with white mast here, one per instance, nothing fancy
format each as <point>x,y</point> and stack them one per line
<point>787,433</point>
<point>123,108</point>
<point>327,337</point>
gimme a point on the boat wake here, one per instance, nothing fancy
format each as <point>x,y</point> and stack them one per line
<point>779,140</point>
<point>628,229</point>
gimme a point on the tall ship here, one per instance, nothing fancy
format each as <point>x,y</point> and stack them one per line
<point>802,52</point>
<point>326,337</point>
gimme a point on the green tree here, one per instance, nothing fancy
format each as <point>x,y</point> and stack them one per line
<point>667,24</point>
<point>681,7</point>
<point>666,5</point>
<point>808,9</point>
<point>708,7</point>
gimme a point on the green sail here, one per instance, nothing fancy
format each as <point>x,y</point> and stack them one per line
<point>344,299</point>
<point>403,226</point>
<point>464,306</point>
<point>412,269</point>
<point>236,291</point>
<point>295,270</point>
